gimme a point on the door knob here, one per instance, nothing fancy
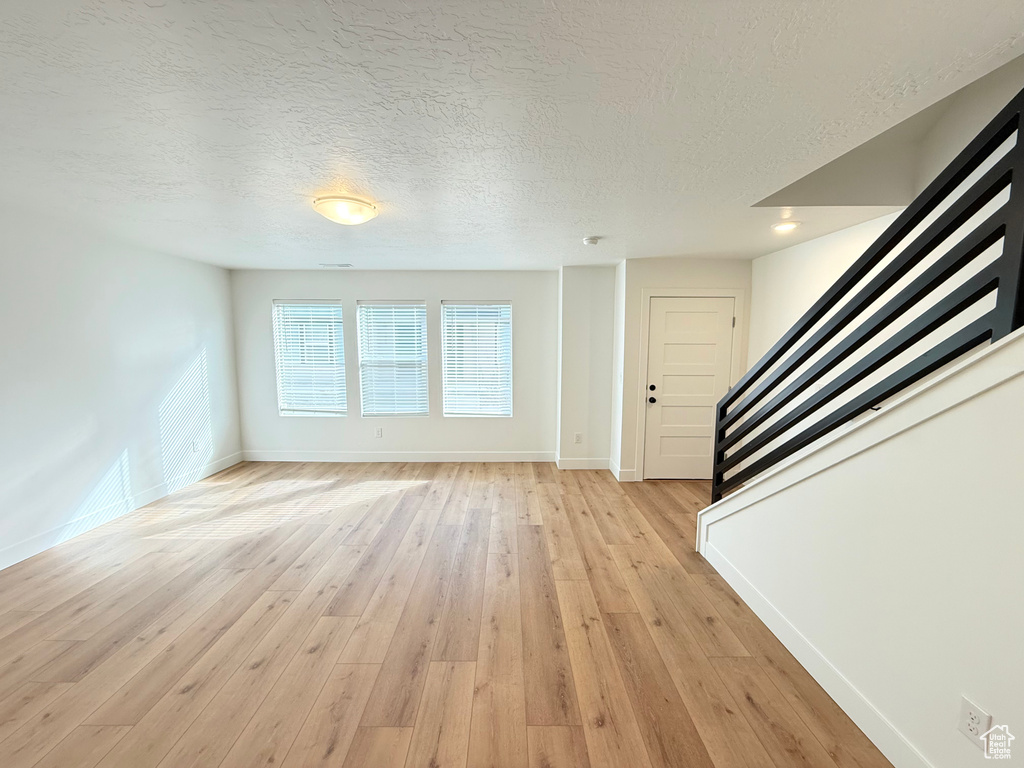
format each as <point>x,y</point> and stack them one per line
<point>652,387</point>
<point>652,399</point>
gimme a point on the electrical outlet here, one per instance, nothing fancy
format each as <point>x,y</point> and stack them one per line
<point>195,446</point>
<point>378,432</point>
<point>577,437</point>
<point>974,721</point>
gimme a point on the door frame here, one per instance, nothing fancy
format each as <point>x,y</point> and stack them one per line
<point>738,295</point>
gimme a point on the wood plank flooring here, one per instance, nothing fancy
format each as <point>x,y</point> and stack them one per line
<point>434,615</point>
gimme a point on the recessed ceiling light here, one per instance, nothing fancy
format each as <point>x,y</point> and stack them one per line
<point>785,226</point>
<point>336,266</point>
<point>345,210</point>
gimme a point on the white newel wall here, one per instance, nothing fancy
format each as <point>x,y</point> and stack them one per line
<point>889,559</point>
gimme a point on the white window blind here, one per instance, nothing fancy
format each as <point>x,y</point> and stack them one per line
<point>476,344</point>
<point>393,358</point>
<point>309,349</point>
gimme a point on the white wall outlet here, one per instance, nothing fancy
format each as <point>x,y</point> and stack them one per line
<point>195,446</point>
<point>577,437</point>
<point>974,721</point>
<point>378,432</point>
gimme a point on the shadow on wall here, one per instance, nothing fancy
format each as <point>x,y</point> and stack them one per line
<point>186,448</point>
<point>110,498</point>
<point>186,429</point>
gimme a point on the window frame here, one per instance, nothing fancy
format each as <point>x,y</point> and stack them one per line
<point>511,358</point>
<point>282,410</point>
<point>422,304</point>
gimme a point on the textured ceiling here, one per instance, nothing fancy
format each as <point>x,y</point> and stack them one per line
<point>493,134</point>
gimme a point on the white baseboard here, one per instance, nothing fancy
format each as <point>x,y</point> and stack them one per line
<point>623,475</point>
<point>411,456</point>
<point>148,496</point>
<point>582,463</point>
<point>876,726</point>
<point>33,545</point>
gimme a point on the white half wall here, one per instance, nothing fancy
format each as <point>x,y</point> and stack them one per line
<point>586,319</point>
<point>529,435</point>
<point>674,275</point>
<point>888,559</point>
<point>119,380</point>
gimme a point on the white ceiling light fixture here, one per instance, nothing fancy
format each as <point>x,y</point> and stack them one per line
<point>592,240</point>
<point>345,210</point>
<point>785,226</point>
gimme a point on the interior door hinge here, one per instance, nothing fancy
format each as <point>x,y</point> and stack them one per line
<point>734,322</point>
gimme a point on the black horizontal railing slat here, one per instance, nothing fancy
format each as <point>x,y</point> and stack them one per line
<point>948,265</point>
<point>744,424</point>
<point>977,197</point>
<point>960,342</point>
<point>934,318</point>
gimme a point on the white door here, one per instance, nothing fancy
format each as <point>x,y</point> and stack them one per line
<point>688,360</point>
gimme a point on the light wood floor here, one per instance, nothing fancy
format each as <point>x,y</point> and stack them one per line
<point>429,615</point>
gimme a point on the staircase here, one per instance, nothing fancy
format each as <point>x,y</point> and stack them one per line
<point>944,279</point>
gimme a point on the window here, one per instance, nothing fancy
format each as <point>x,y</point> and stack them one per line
<point>309,348</point>
<point>393,358</point>
<point>476,341</point>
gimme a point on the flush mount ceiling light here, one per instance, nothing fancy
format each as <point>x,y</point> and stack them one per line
<point>785,226</point>
<point>345,210</point>
<point>592,240</point>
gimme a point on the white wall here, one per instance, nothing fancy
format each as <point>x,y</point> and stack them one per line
<point>529,435</point>
<point>785,284</point>
<point>888,559</point>
<point>675,274</point>
<point>114,361</point>
<point>618,355</point>
<point>968,112</point>
<point>586,323</point>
